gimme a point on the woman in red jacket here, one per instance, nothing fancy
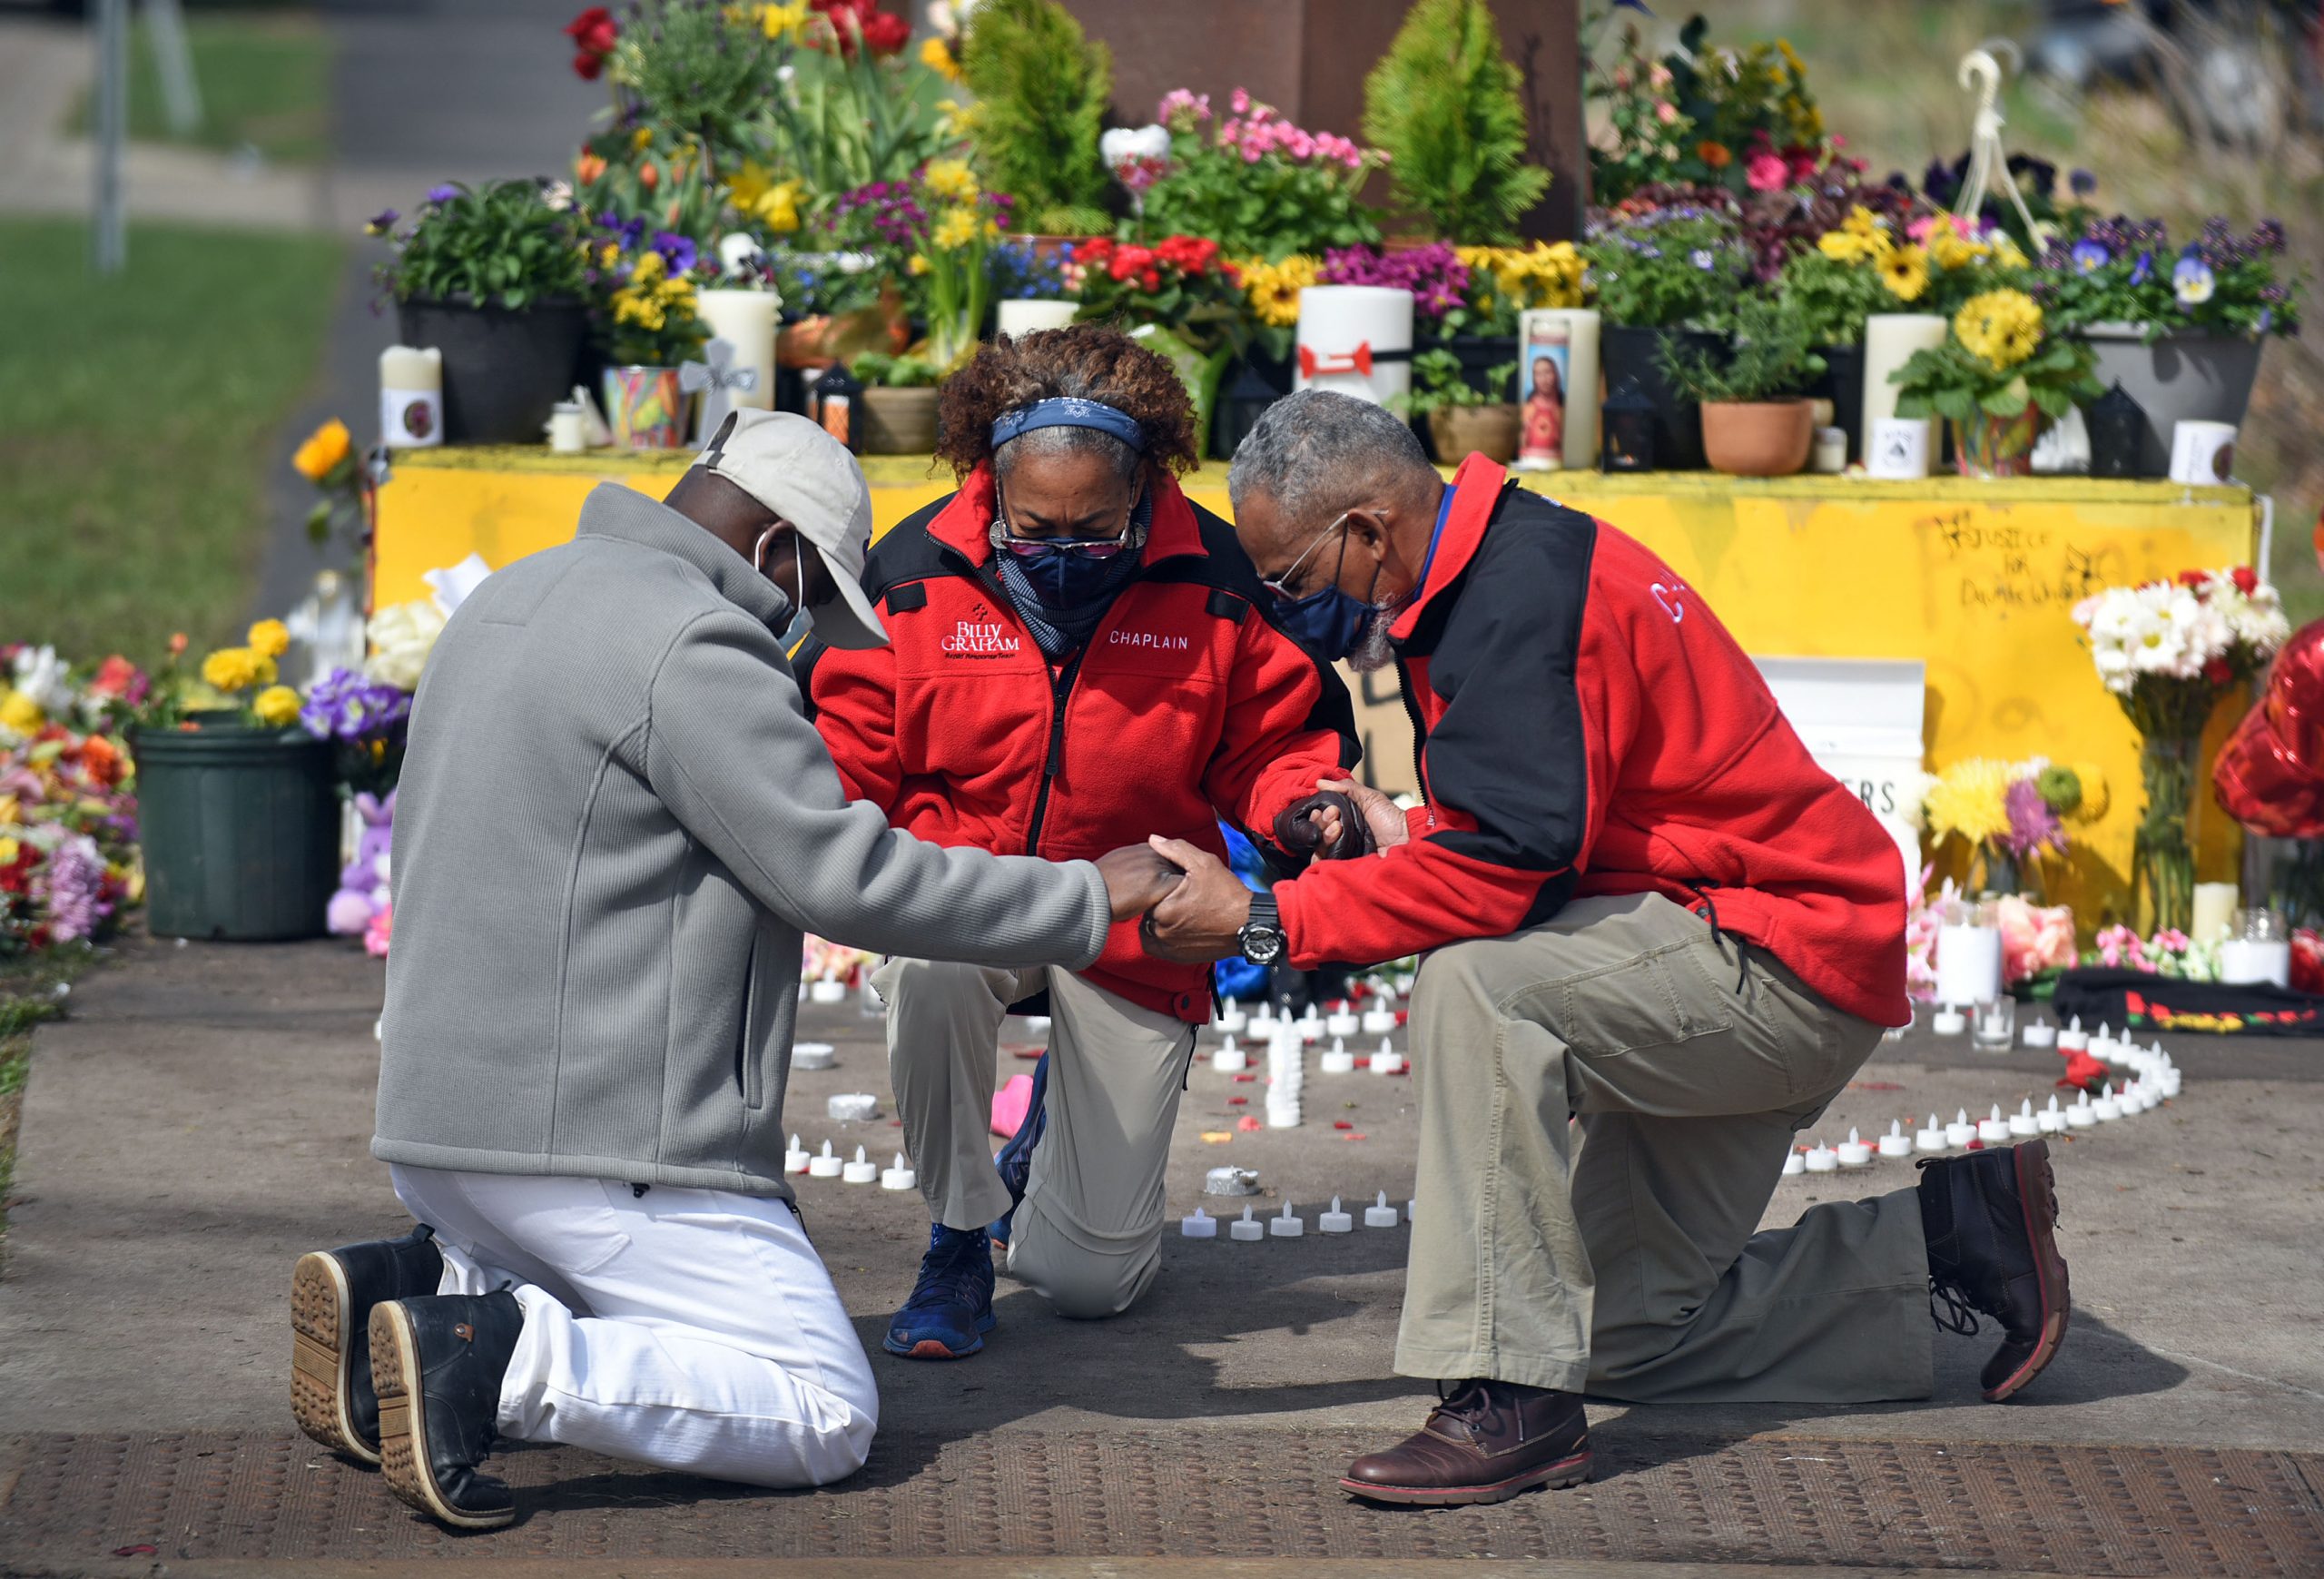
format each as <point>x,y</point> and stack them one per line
<point>1078,657</point>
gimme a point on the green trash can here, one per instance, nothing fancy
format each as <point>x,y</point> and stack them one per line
<point>239,827</point>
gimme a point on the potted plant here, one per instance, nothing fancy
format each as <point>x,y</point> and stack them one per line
<point>899,403</point>
<point>2179,329</point>
<point>1756,415</point>
<point>1859,269</point>
<point>1179,297</point>
<point>239,804</point>
<point>1667,277</point>
<point>1443,104</point>
<point>1461,418</point>
<point>491,277</point>
<point>1256,184</point>
<point>1041,91</point>
<point>1997,380</point>
<point>650,326</point>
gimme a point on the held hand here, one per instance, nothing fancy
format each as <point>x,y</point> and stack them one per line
<point>1381,817</point>
<point>1137,878</point>
<point>1201,918</point>
<point>1326,825</point>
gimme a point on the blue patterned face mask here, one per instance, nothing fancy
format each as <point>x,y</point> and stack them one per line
<point>1061,587</point>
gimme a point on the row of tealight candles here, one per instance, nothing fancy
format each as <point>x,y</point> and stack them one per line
<point>1312,1027</point>
<point>2154,1080</point>
<point>828,1164</point>
<point>1290,1225</point>
<point>1284,1047</point>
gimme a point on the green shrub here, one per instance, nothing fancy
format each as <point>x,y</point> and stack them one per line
<point>1041,90</point>
<point>1444,103</point>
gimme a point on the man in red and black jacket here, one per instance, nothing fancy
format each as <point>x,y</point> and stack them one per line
<point>1645,908</point>
<point>1078,656</point>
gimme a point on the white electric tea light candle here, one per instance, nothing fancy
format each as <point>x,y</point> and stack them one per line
<point>1310,1025</point>
<point>825,1166</point>
<point>2041,1033</point>
<point>2051,1120</point>
<point>1380,1214</point>
<point>1895,1142</point>
<point>1853,1153</point>
<point>1341,1021</point>
<point>1387,1060</point>
<point>828,992</point>
<point>1285,1227</point>
<point>795,1160</point>
<point>2081,1115</point>
<point>1379,1022</point>
<point>1246,1227</point>
<point>2073,1038</point>
<point>1335,1222</point>
<point>899,1177</point>
<point>1948,1020</point>
<point>1993,1126</point>
<point>862,1170</point>
<point>1931,1139</point>
<point>2107,1109</point>
<point>1231,1019</point>
<point>1229,1059</point>
<point>1822,1159</point>
<point>1338,1059</point>
<point>1793,1162</point>
<point>1201,1226</point>
<point>2022,1122</point>
<point>1960,1132</point>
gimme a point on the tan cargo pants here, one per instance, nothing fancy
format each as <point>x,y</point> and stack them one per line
<point>1088,1233</point>
<point>1633,1272</point>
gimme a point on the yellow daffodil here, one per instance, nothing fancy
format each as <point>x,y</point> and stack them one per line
<point>956,229</point>
<point>270,639</point>
<point>1905,272</point>
<point>1272,288</point>
<point>324,448</point>
<point>952,180</point>
<point>641,140</point>
<point>277,706</point>
<point>20,713</point>
<point>780,22</point>
<point>937,56</point>
<point>918,265</point>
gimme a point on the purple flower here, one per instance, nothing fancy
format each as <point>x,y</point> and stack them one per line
<point>73,880</point>
<point>2033,825</point>
<point>1701,258</point>
<point>2143,270</point>
<point>344,705</point>
<point>381,222</point>
<point>2083,182</point>
<point>444,193</point>
<point>2193,281</point>
<point>677,252</point>
<point>2088,256</point>
<point>2270,236</point>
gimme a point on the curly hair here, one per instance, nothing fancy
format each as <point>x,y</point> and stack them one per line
<point>1090,361</point>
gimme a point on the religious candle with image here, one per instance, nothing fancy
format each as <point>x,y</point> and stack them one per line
<point>1544,368</point>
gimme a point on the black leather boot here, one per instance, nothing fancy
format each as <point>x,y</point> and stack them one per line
<point>1990,1218</point>
<point>438,1364</point>
<point>332,1295</point>
<point>1485,1442</point>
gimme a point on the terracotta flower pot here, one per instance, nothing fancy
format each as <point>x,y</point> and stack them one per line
<point>899,422</point>
<point>1758,438</point>
<point>1490,431</point>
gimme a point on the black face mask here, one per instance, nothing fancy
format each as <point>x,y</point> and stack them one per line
<point>1061,595</point>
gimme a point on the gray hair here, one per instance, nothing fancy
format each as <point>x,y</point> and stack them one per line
<point>1317,452</point>
<point>1054,441</point>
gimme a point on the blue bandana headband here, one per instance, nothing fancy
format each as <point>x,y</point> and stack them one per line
<point>1067,412</point>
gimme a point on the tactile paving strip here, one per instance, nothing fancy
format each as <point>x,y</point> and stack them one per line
<point>1189,1493</point>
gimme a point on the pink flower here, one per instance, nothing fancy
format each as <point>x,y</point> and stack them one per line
<point>1251,151</point>
<point>2033,938</point>
<point>1918,231</point>
<point>1766,172</point>
<point>1240,101</point>
<point>1666,112</point>
<point>376,935</point>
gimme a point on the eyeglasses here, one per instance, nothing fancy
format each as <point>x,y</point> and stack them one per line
<point>1281,585</point>
<point>1132,538</point>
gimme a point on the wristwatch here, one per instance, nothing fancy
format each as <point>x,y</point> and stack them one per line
<point>1261,939</point>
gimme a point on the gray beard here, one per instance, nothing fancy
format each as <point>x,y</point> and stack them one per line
<point>1372,652</point>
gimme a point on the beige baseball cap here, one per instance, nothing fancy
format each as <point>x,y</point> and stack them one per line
<point>807,476</point>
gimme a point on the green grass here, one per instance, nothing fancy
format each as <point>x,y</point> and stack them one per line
<point>264,82</point>
<point>139,417</point>
<point>27,997</point>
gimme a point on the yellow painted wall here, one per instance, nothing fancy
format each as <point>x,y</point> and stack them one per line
<point>1975,579</point>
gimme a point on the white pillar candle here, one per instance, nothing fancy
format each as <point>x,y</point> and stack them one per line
<point>1285,1227</point>
<point>1201,1226</point>
<point>1895,1142</point>
<point>2215,905</point>
<point>1932,1139</point>
<point>899,1177</point>
<point>1899,450</point>
<point>825,1165</point>
<point>2247,961</point>
<point>1334,1221</point>
<point>1246,1227</point>
<point>1344,330</point>
<point>1025,314</point>
<point>1890,338</point>
<point>745,319</point>
<point>1968,965</point>
<point>411,397</point>
<point>1380,1214</point>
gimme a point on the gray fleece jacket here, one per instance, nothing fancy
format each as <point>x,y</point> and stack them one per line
<point>615,822</point>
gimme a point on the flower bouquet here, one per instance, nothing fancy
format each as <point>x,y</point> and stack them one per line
<point>1998,379</point>
<point>2011,815</point>
<point>1179,297</point>
<point>647,286</point>
<point>2168,952</point>
<point>68,807</point>
<point>1740,118</point>
<point>2168,650</point>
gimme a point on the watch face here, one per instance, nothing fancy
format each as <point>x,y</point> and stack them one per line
<point>1262,945</point>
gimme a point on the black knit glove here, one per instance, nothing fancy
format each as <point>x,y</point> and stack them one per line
<point>1299,836</point>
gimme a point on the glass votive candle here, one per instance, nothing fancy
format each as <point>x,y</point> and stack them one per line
<point>1992,1026</point>
<point>2258,948</point>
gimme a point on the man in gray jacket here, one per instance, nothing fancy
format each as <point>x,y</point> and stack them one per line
<point>615,821</point>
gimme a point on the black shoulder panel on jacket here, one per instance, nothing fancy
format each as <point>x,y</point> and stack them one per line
<point>906,552</point>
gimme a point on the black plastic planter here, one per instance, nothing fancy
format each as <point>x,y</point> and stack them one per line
<point>240,832</point>
<point>503,370</point>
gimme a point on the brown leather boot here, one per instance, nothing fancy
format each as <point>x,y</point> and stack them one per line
<point>1485,1442</point>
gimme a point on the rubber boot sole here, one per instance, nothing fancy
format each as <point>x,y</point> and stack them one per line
<point>937,1348</point>
<point>403,1425</point>
<point>2037,1196</point>
<point>1557,1476</point>
<point>323,1352</point>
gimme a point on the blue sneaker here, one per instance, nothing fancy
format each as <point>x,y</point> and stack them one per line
<point>951,1308</point>
<point>1015,1159</point>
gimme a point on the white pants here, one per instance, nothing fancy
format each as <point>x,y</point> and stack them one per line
<point>689,1329</point>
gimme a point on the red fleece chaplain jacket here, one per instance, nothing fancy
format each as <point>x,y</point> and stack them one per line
<point>1587,726</point>
<point>1184,707</point>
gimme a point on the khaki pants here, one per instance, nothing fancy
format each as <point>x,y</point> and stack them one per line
<point>1633,1272</point>
<point>1088,1233</point>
